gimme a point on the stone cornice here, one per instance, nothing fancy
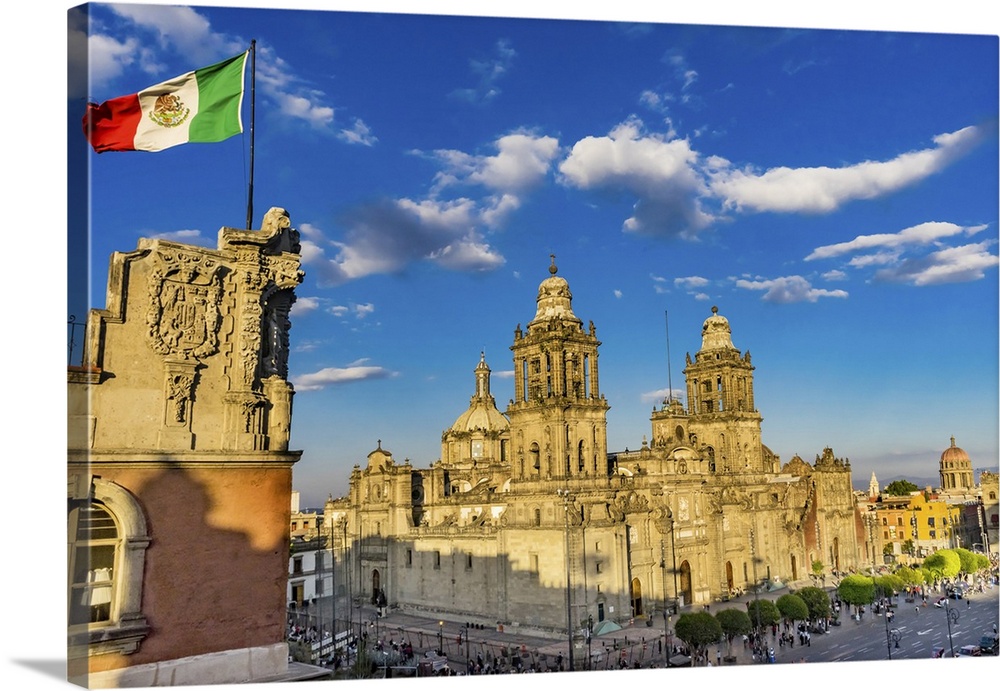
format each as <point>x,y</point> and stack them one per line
<point>189,459</point>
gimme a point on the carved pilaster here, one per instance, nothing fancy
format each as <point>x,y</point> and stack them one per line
<point>179,381</point>
<point>279,418</point>
<point>244,429</point>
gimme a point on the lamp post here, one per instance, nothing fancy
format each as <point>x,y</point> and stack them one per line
<point>564,493</point>
<point>753,562</point>
<point>590,635</point>
<point>440,650</point>
<point>667,523</point>
<point>951,616</point>
<point>468,657</point>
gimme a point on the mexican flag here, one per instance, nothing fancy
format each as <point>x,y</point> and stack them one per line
<point>200,106</point>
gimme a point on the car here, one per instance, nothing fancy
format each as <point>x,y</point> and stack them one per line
<point>955,594</point>
<point>970,651</point>
<point>988,644</point>
<point>941,602</point>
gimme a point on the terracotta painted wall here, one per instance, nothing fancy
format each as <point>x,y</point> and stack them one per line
<point>216,568</point>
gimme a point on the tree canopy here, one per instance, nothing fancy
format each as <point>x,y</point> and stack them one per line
<point>900,488</point>
<point>855,589</point>
<point>816,600</point>
<point>910,576</point>
<point>734,622</point>
<point>698,629</point>
<point>792,607</point>
<point>968,560</point>
<point>889,583</point>
<point>763,613</point>
<point>945,563</point>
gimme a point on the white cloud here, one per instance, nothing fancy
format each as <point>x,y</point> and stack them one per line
<point>690,282</point>
<point>468,254</point>
<point>304,305</point>
<point>921,234</point>
<point>951,265</point>
<point>617,293</point>
<point>661,173</point>
<point>385,236</point>
<point>835,275</point>
<point>193,237</point>
<point>489,72</point>
<point>878,258</point>
<point>359,133</point>
<point>332,376</point>
<point>522,160</point>
<point>788,289</point>
<point>660,395</point>
<point>823,189</point>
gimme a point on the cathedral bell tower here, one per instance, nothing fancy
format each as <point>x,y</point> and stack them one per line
<point>723,419</point>
<point>558,417</point>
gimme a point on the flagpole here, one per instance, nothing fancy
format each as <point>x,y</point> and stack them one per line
<point>253,75</point>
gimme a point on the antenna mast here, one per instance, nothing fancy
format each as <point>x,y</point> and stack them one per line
<point>670,383</point>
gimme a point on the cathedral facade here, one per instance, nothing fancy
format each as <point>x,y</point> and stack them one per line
<point>528,520</point>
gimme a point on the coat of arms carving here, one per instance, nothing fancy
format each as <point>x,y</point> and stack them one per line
<point>184,297</point>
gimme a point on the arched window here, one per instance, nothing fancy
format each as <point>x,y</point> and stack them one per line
<point>107,553</point>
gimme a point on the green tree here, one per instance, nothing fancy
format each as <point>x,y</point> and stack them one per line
<point>967,559</point>
<point>910,576</point>
<point>857,590</point>
<point>817,602</point>
<point>900,488</point>
<point>889,584</point>
<point>792,607</point>
<point>945,563</point>
<point>763,613</point>
<point>982,562</point>
<point>734,622</point>
<point>698,629</point>
<point>817,567</point>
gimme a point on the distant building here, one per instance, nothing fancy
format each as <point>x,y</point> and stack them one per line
<point>955,470</point>
<point>179,473</point>
<point>527,520</point>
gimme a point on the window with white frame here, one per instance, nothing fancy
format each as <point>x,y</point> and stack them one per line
<point>107,551</point>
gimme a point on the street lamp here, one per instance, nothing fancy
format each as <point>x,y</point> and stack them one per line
<point>564,493</point>
<point>590,635</point>
<point>951,616</point>
<point>440,650</point>
<point>667,523</point>
<point>468,657</point>
<point>753,561</point>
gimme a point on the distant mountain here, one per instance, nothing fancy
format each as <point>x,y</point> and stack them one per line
<point>921,482</point>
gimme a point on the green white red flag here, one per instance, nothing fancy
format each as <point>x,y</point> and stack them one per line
<point>200,106</point>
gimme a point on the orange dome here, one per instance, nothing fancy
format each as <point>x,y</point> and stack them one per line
<point>954,454</point>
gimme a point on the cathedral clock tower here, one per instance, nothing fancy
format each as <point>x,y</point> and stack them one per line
<point>558,417</point>
<point>724,423</point>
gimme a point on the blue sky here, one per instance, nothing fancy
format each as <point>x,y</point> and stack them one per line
<point>833,192</point>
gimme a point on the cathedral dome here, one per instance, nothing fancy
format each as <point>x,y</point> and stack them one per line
<point>481,416</point>
<point>715,332</point>
<point>954,454</point>
<point>555,301</point>
<point>482,413</point>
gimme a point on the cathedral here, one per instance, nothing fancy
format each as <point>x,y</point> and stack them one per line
<point>527,520</point>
